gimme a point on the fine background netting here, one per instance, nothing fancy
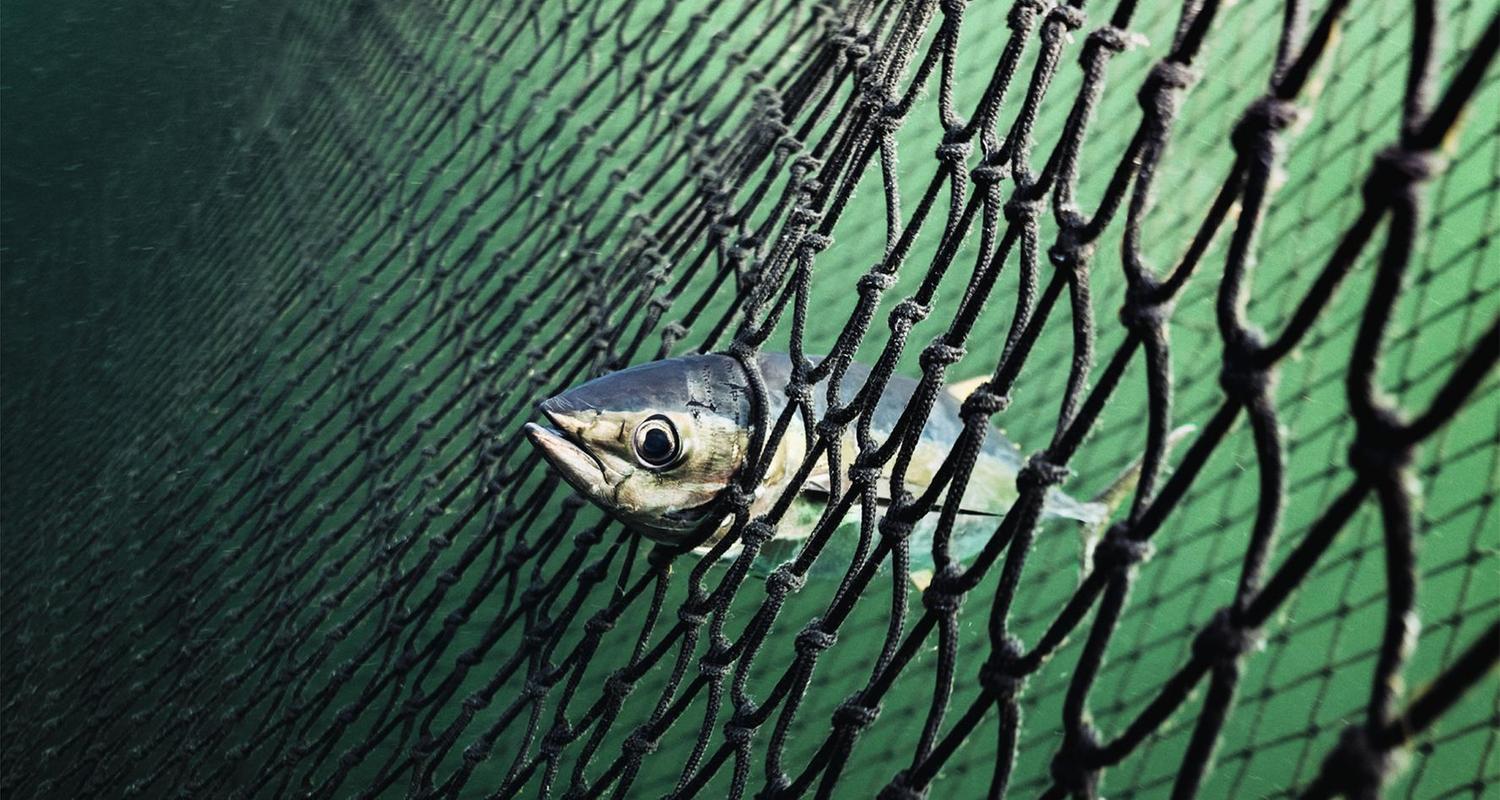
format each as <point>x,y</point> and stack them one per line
<point>270,527</point>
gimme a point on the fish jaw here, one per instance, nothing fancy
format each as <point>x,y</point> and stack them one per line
<point>580,468</point>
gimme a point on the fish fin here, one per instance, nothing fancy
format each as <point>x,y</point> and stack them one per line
<point>962,389</point>
<point>1115,493</point>
<point>1090,513</point>
<point>1109,500</point>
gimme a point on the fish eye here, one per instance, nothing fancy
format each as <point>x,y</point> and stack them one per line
<point>656,442</point>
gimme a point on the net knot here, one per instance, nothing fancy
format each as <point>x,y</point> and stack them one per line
<point>691,616</point>
<point>783,581</point>
<point>736,499</point>
<point>854,715</point>
<point>1068,254</point>
<point>476,701</point>
<point>828,429</point>
<point>1397,169</point>
<point>805,216</point>
<point>856,48</point>
<point>786,146</point>
<point>884,117</point>
<point>871,284</point>
<point>1376,452</point>
<point>1141,314</point>
<point>1067,16</point>
<point>825,9</point>
<point>983,402</point>
<point>1039,473</point>
<point>543,631</point>
<point>953,7</point>
<point>1221,641</point>
<point>900,788</point>
<point>907,313</point>
<point>593,574</point>
<point>1242,379</point>
<point>588,537</point>
<point>998,674</point>
<point>516,557</point>
<point>812,639</point>
<point>715,663</point>
<point>1356,764</point>
<point>1164,78</point>
<point>757,532</point>
<point>1020,209</point>
<point>1070,767</point>
<point>639,744</point>
<point>721,229</point>
<point>893,528</point>
<point>1023,13</point>
<point>737,732</point>
<point>943,596</point>
<point>813,243</point>
<point>804,165</point>
<point>1264,117</point>
<point>617,685</point>
<point>954,154</point>
<point>533,594</point>
<point>660,558</point>
<point>864,476</point>
<point>599,624</point>
<point>987,175</point>
<point>556,740</point>
<point>1109,37</point>
<point>674,332</point>
<point>940,355</point>
<point>535,689</point>
<point>1118,551</point>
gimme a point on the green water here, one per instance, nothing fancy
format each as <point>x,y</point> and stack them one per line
<point>213,361</point>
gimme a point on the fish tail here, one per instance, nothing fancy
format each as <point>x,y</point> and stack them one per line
<point>1062,506</point>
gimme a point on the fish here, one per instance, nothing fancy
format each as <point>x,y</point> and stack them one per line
<point>655,446</point>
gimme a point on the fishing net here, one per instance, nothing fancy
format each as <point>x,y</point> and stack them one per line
<point>272,528</point>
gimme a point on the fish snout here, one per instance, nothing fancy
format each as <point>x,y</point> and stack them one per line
<point>566,413</point>
<point>551,443</point>
<point>577,465</point>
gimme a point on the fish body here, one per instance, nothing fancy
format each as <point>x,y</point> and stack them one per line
<point>655,445</point>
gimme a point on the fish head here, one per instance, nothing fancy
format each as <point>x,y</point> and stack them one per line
<point>652,445</point>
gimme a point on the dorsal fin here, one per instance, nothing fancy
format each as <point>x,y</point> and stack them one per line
<point>962,389</point>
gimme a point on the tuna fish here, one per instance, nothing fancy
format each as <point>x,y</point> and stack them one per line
<point>656,444</point>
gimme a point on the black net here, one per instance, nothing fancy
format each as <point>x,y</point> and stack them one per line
<point>272,528</point>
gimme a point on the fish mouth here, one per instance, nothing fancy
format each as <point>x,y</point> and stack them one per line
<point>562,447</point>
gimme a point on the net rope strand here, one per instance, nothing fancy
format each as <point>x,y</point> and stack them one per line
<point>318,594</point>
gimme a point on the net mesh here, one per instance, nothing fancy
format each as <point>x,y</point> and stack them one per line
<point>272,528</point>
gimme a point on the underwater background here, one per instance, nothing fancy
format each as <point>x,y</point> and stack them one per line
<point>282,281</point>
